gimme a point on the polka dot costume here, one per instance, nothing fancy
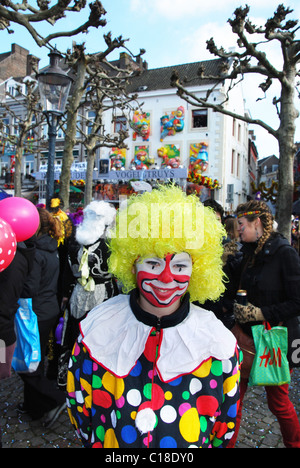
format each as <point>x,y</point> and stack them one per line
<point>141,410</point>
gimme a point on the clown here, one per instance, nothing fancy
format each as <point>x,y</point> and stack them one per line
<point>150,368</point>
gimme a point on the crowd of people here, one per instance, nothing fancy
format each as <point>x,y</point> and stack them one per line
<point>141,336</point>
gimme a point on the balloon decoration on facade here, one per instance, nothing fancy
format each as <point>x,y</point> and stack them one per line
<point>170,155</point>
<point>199,164</point>
<point>171,124</point>
<point>198,157</point>
<point>117,158</point>
<point>141,159</point>
<point>205,181</point>
<point>140,124</point>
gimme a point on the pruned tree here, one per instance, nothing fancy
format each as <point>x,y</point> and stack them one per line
<point>24,110</point>
<point>26,15</point>
<point>96,80</point>
<point>106,94</point>
<point>250,58</point>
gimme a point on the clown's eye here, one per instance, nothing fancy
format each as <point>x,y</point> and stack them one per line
<point>179,266</point>
<point>153,264</point>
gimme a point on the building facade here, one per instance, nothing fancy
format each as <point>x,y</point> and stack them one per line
<point>169,132</point>
<point>165,132</point>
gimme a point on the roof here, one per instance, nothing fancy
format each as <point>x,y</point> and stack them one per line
<point>160,78</point>
<point>268,160</point>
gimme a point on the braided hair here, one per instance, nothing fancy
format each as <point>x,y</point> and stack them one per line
<point>257,209</point>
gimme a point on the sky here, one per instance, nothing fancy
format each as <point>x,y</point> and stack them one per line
<point>173,32</point>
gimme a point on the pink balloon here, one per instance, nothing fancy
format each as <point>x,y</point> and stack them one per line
<point>8,245</point>
<point>21,215</point>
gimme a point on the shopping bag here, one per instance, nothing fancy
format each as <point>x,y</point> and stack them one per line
<point>270,366</point>
<point>27,354</point>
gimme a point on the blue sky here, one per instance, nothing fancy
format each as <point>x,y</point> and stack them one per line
<point>172,32</point>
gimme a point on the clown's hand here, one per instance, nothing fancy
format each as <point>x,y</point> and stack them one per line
<point>248,313</point>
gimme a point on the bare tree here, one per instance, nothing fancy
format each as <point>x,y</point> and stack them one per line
<point>251,60</point>
<point>25,112</point>
<point>96,80</point>
<point>26,15</point>
<point>106,94</point>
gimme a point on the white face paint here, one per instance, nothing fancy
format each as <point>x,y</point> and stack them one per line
<point>162,281</point>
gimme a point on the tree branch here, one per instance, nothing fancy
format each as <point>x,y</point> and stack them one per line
<point>10,13</point>
<point>199,102</point>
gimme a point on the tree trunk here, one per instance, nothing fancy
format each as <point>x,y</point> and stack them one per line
<point>17,174</point>
<point>286,136</point>
<point>91,146</point>
<point>70,134</point>
<point>88,192</point>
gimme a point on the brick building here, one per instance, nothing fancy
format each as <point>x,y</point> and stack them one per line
<point>16,63</point>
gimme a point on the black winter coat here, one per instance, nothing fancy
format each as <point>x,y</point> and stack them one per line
<point>41,285</point>
<point>11,284</point>
<point>272,281</point>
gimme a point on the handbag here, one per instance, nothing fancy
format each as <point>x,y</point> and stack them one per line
<point>246,344</point>
<point>270,365</point>
<point>27,354</point>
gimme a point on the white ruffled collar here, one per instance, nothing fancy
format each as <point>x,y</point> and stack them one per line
<point>115,338</point>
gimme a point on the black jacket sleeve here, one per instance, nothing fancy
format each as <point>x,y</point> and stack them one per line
<point>288,305</point>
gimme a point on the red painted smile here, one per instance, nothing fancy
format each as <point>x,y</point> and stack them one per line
<point>164,281</point>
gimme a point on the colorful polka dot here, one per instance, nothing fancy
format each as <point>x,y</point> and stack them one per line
<point>136,371</point>
<point>168,414</point>
<point>183,408</point>
<point>120,402</point>
<point>189,425</point>
<point>195,386</point>
<point>213,383</point>
<point>207,405</point>
<point>134,397</point>
<point>168,442</point>
<point>113,384</point>
<point>129,434</point>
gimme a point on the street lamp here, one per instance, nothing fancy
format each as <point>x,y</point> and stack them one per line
<point>54,87</point>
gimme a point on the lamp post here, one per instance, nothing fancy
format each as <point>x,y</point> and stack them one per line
<point>54,87</point>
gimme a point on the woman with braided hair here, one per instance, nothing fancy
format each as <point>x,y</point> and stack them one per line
<point>269,270</point>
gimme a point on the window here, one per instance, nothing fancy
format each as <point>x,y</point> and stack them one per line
<point>12,91</point>
<point>232,161</point>
<point>238,165</point>
<point>61,132</point>
<point>91,115</point>
<point>120,123</point>
<point>199,118</point>
<point>6,129</point>
<point>15,126</point>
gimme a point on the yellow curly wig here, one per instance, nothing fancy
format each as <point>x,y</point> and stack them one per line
<point>167,221</point>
